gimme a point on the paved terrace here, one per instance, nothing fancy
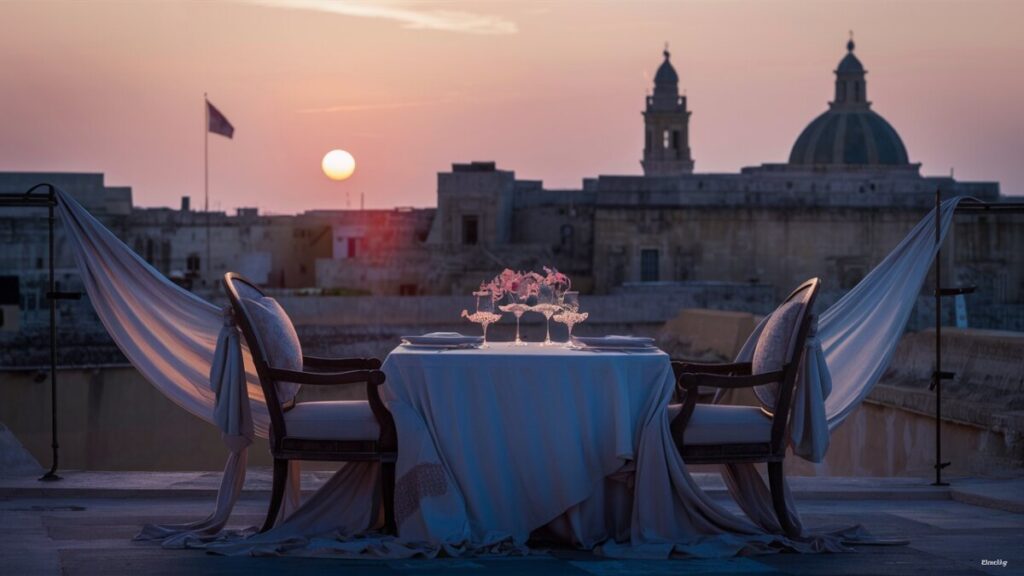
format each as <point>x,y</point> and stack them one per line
<point>84,525</point>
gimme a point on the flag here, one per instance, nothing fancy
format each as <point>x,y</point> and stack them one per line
<point>217,123</point>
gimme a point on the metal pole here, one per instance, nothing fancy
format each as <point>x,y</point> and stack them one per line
<point>206,179</point>
<point>937,375</point>
<point>52,473</point>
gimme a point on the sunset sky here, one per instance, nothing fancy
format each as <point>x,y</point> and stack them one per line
<point>552,90</point>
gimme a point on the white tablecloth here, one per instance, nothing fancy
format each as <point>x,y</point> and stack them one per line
<point>496,443</point>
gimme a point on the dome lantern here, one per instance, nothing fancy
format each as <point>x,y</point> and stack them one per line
<point>851,88</point>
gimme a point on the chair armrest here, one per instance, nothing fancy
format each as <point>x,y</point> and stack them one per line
<point>691,381</point>
<point>340,364</point>
<point>374,377</point>
<point>681,367</point>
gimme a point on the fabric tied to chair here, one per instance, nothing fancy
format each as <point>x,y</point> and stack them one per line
<point>231,412</point>
<point>809,433</point>
<point>809,426</point>
<point>233,415</point>
<point>808,430</point>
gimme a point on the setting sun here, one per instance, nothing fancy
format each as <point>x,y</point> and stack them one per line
<point>338,165</point>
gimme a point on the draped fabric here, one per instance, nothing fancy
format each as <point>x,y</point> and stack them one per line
<point>169,334</point>
<point>844,357</point>
<point>233,416</point>
<point>859,333</point>
<point>182,345</point>
<point>186,347</point>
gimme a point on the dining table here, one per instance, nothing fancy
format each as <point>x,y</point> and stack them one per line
<point>498,443</point>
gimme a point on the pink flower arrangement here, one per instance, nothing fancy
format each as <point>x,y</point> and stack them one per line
<point>556,280</point>
<point>521,284</point>
<point>525,284</point>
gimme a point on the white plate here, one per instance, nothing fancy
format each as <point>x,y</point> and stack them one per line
<point>615,341</point>
<point>442,340</point>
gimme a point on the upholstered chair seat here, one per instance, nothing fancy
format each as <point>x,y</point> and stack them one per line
<point>712,424</point>
<point>335,420</point>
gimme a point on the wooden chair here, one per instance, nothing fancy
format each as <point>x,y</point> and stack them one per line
<point>723,434</point>
<point>323,431</point>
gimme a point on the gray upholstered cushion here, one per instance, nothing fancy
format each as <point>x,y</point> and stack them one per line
<point>336,420</point>
<point>280,342</point>
<point>774,346</point>
<point>724,424</point>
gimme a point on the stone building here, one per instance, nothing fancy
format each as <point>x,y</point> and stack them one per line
<point>847,196</point>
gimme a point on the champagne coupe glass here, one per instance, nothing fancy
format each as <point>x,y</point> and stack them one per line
<point>570,301</point>
<point>484,315</point>
<point>547,304</point>
<point>517,302</point>
<point>570,315</point>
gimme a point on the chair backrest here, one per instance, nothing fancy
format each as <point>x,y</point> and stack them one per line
<point>243,294</point>
<point>780,347</point>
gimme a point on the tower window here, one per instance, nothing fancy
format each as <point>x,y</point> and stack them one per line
<point>665,140</point>
<point>649,265</point>
<point>856,91</point>
<point>647,142</point>
<point>675,139</point>
<point>470,230</point>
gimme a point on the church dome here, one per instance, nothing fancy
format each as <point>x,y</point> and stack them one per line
<point>859,137</point>
<point>850,132</point>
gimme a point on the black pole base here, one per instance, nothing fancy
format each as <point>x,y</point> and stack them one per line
<point>938,474</point>
<point>50,476</point>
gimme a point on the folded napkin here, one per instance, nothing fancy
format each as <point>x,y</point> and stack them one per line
<point>615,341</point>
<point>442,339</point>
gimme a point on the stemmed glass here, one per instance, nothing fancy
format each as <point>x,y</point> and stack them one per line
<point>484,315</point>
<point>547,304</point>
<point>518,298</point>
<point>570,315</point>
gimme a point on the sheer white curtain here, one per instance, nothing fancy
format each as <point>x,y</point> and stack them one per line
<point>186,347</point>
<point>169,334</point>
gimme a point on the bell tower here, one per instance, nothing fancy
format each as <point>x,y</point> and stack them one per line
<point>666,126</point>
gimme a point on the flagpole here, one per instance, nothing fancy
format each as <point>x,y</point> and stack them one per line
<point>206,178</point>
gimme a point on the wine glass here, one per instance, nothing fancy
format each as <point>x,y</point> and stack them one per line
<point>484,315</point>
<point>570,315</point>
<point>517,299</point>
<point>547,304</point>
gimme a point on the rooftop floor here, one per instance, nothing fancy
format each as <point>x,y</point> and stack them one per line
<point>84,525</point>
